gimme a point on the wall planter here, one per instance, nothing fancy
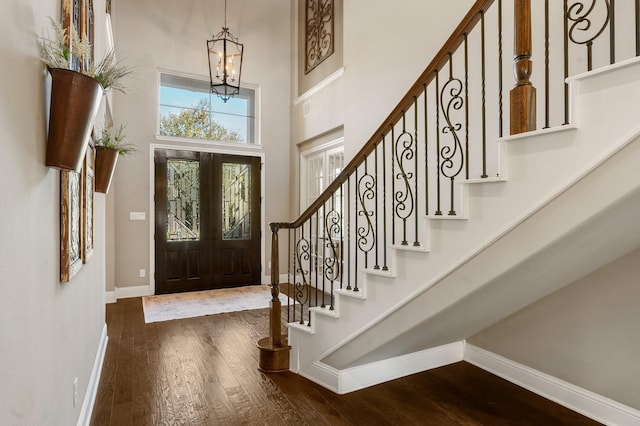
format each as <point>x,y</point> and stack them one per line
<point>106,159</point>
<point>75,99</point>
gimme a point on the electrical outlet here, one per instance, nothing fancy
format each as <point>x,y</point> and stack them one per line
<point>75,392</point>
<point>143,273</point>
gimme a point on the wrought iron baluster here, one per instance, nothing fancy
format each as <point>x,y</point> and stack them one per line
<point>377,265</point>
<point>403,196</point>
<point>332,226</point>
<point>438,197</point>
<point>349,252</point>
<point>318,258</point>
<point>365,232</point>
<point>310,286</point>
<point>416,243</point>
<point>303,256</point>
<point>426,150</point>
<point>484,96</point>
<point>612,33</point>
<point>385,267</point>
<point>452,155</point>
<point>289,277</point>
<point>579,15</point>
<point>500,106</point>
<point>341,239</point>
<point>393,187</point>
<point>466,102</point>
<point>637,19</point>
<point>566,60</point>
<point>355,249</point>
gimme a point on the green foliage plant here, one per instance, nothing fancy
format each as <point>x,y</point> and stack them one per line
<point>66,49</point>
<point>195,123</point>
<point>113,138</point>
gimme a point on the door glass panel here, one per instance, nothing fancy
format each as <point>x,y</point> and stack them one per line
<point>236,197</point>
<point>183,200</point>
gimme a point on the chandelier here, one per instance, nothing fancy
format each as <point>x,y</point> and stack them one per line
<point>225,62</point>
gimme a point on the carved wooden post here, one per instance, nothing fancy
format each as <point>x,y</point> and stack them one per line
<point>274,354</point>
<point>523,95</point>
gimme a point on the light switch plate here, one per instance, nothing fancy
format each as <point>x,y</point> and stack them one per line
<point>136,216</point>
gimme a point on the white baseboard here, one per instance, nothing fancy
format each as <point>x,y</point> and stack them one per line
<point>110,297</point>
<point>363,376</point>
<point>585,402</point>
<point>137,291</point>
<point>92,388</point>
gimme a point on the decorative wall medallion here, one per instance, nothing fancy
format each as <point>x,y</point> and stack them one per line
<point>319,32</point>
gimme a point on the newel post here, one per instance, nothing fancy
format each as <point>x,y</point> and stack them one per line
<point>274,350</point>
<point>523,95</point>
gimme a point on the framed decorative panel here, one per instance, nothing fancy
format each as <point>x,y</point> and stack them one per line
<point>319,32</point>
<point>71,224</point>
<point>88,178</point>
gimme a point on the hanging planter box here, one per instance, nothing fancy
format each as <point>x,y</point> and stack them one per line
<point>106,159</point>
<point>75,99</point>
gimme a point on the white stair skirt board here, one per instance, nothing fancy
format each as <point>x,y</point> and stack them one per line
<point>363,376</point>
<point>585,402</point>
<point>92,388</point>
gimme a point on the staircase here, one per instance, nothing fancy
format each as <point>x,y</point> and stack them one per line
<point>441,225</point>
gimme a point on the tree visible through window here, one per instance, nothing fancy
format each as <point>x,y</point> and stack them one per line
<point>188,110</point>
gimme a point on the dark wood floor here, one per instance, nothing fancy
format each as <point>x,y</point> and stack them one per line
<point>202,371</point>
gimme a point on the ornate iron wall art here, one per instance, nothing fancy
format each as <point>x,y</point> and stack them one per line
<point>452,156</point>
<point>70,224</point>
<point>319,32</point>
<point>405,151</point>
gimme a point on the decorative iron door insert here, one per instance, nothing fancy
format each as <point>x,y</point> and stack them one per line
<point>207,224</point>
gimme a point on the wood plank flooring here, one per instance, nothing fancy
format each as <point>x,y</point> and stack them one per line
<point>203,371</point>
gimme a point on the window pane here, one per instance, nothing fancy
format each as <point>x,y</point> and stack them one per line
<point>236,201</point>
<point>183,200</point>
<point>188,109</point>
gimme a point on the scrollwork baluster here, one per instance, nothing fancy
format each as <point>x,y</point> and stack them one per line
<point>452,155</point>
<point>580,16</point>
<point>404,198</point>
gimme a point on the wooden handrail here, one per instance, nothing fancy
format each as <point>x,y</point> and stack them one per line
<point>439,61</point>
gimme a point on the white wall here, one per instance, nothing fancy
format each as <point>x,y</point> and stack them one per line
<point>385,50</point>
<point>585,333</point>
<point>49,332</point>
<point>171,35</point>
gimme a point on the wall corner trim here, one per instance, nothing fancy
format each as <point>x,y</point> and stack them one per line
<point>320,86</point>
<point>92,388</point>
<point>585,402</point>
<point>135,291</point>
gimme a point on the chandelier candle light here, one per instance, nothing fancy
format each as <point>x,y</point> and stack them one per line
<point>225,62</point>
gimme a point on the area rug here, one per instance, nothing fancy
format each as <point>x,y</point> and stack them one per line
<point>167,307</point>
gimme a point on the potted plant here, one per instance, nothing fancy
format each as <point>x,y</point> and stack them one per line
<point>109,146</point>
<point>76,92</point>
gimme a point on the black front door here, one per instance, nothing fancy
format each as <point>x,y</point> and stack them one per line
<point>207,221</point>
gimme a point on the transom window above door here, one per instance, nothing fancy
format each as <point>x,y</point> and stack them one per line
<point>187,110</point>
